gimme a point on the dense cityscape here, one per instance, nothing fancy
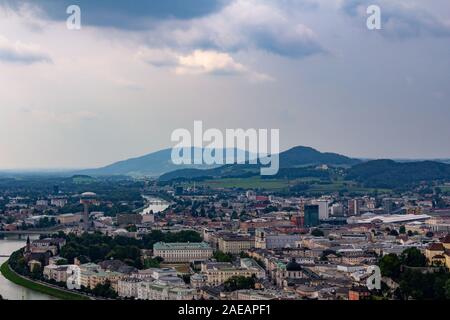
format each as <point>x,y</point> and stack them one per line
<point>195,239</point>
<point>224,158</point>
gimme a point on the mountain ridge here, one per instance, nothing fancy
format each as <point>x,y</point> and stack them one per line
<point>159,163</point>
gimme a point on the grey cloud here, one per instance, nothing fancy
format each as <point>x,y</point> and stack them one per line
<point>21,53</point>
<point>242,25</point>
<point>122,14</point>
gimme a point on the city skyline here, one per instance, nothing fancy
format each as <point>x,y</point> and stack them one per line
<point>118,87</point>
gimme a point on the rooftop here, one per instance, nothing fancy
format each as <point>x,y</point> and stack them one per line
<point>181,246</point>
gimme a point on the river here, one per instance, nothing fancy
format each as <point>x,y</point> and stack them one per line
<point>8,245</point>
<point>155,204</point>
<point>9,290</point>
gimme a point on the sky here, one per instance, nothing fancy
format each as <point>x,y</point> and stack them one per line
<point>138,70</point>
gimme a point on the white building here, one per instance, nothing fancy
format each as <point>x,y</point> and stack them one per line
<point>182,252</point>
<point>265,240</point>
<point>337,210</point>
<point>323,208</point>
<point>58,202</point>
<point>154,291</point>
<point>128,288</point>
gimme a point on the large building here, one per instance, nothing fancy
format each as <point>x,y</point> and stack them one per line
<point>156,291</point>
<point>87,199</point>
<point>92,275</point>
<point>235,244</point>
<point>69,218</point>
<point>311,216</point>
<point>218,272</point>
<point>128,287</point>
<point>323,209</point>
<point>124,219</point>
<point>438,253</point>
<point>267,240</point>
<point>56,273</point>
<point>182,251</point>
<point>354,207</point>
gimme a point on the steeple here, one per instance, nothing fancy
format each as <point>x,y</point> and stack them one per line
<point>28,249</point>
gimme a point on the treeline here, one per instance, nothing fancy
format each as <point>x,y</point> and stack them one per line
<point>390,174</point>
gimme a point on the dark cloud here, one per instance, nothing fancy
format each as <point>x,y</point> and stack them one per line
<point>123,14</point>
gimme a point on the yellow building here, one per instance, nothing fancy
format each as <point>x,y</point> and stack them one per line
<point>183,251</point>
<point>438,253</point>
<point>219,272</point>
<point>235,244</point>
<point>92,275</point>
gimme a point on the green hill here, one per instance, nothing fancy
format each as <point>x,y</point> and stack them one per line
<point>391,174</point>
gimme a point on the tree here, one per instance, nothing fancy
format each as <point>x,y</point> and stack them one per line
<point>447,289</point>
<point>105,290</point>
<point>239,283</point>
<point>222,257</point>
<point>390,266</point>
<point>393,232</point>
<point>402,230</point>
<point>243,254</point>
<point>152,263</point>
<point>412,257</point>
<point>61,262</point>
<point>429,234</point>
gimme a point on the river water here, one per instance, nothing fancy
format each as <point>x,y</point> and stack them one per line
<point>8,245</point>
<point>9,290</point>
<point>155,204</point>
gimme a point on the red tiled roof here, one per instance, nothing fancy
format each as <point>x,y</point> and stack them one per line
<point>446,239</point>
<point>436,247</point>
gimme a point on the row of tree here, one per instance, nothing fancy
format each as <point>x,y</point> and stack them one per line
<point>97,247</point>
<point>415,279</point>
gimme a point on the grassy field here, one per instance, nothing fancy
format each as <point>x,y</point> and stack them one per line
<point>179,267</point>
<point>283,184</point>
<point>60,294</point>
<point>445,188</point>
<point>245,183</point>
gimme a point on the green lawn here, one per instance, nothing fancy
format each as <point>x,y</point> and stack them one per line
<point>248,183</point>
<point>60,294</point>
<point>445,188</point>
<point>283,184</point>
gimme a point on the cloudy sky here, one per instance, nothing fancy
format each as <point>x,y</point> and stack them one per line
<point>137,70</point>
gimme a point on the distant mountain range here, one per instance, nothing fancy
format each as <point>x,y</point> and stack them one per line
<point>159,164</point>
<point>294,159</point>
<point>294,163</point>
<point>151,165</point>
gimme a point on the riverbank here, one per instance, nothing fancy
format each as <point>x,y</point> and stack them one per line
<point>62,294</point>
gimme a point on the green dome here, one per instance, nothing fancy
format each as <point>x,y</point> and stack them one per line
<point>293,266</point>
